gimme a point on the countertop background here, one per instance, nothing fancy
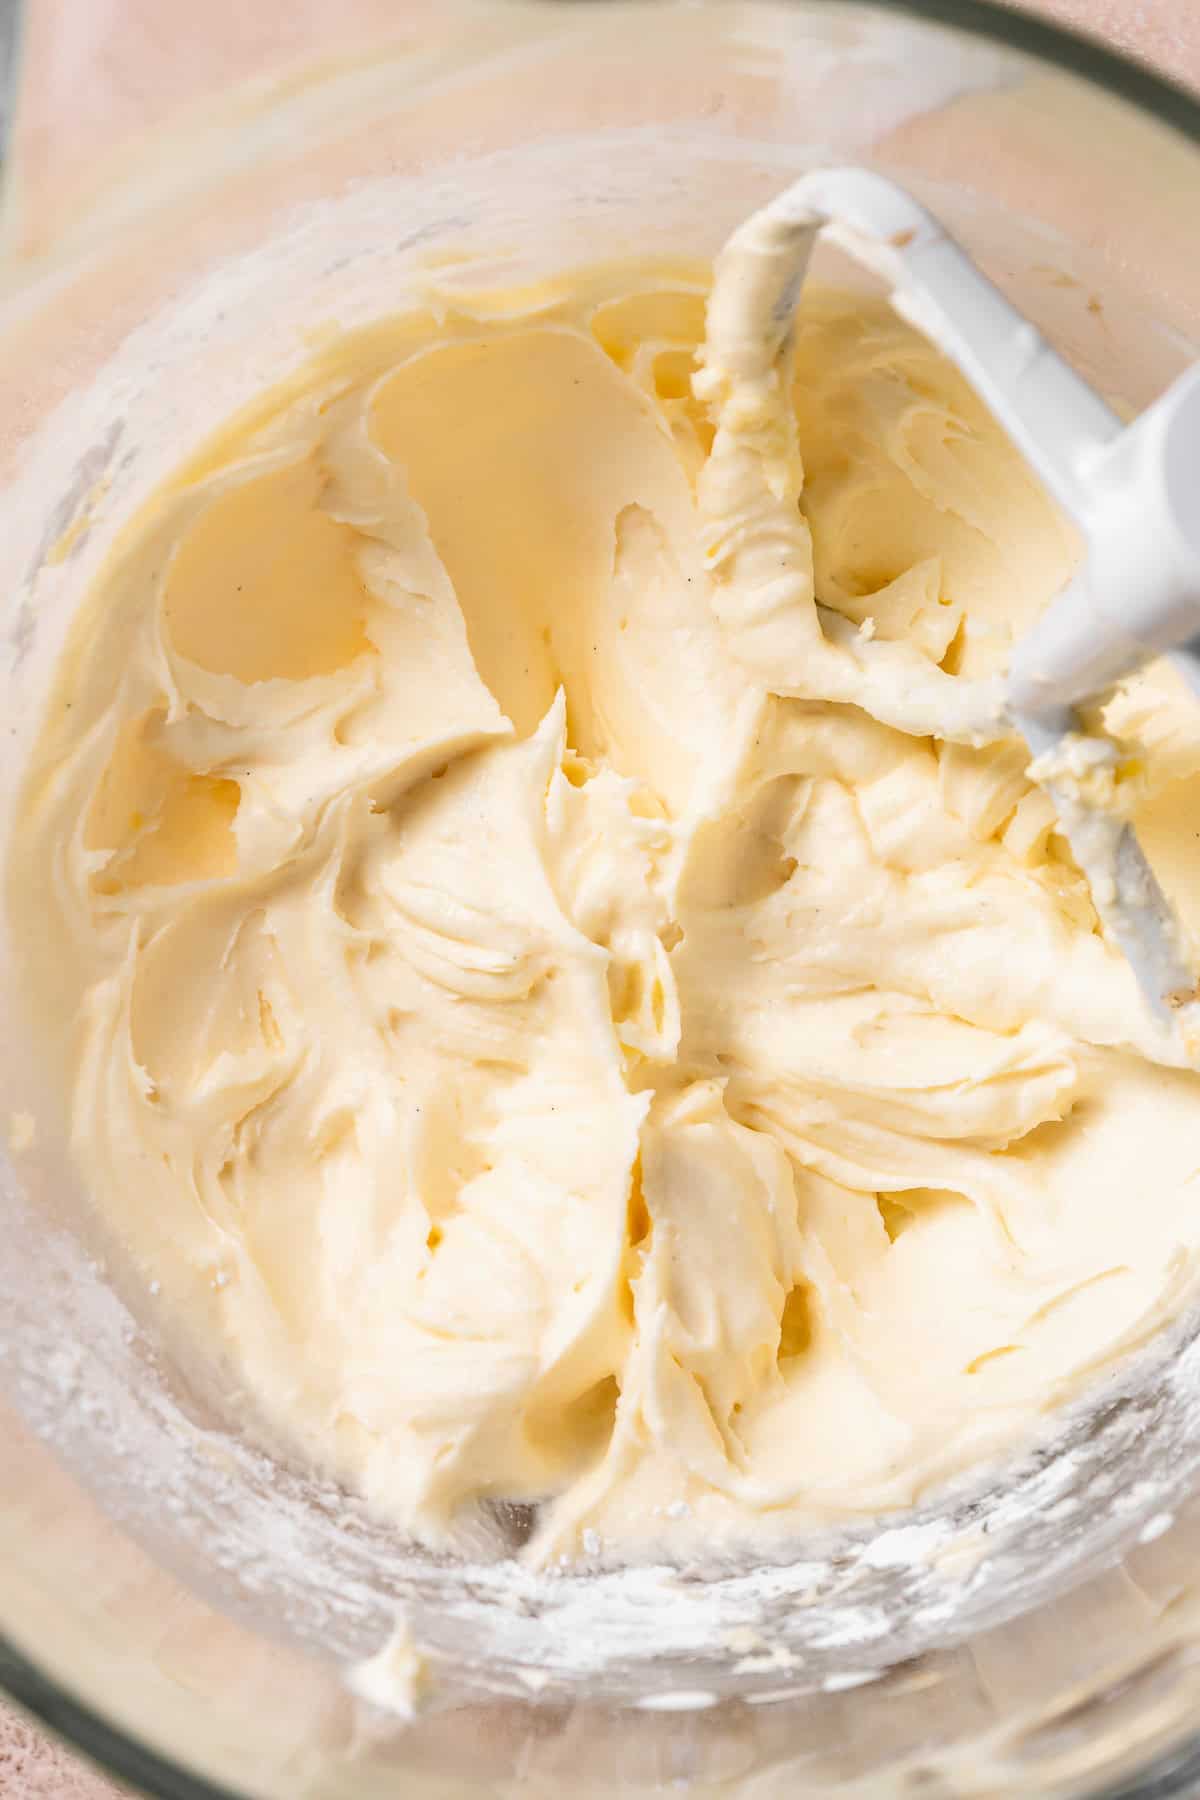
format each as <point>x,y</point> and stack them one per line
<point>1165,33</point>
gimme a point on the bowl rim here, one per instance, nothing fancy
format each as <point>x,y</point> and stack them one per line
<point>1070,48</point>
<point>1078,53</point>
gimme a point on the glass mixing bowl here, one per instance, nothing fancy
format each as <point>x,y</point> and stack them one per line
<point>181,1608</point>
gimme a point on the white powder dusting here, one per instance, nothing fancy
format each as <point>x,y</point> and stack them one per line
<point>678,1700</point>
<point>1156,1527</point>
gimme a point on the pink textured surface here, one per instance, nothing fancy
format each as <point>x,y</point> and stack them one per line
<point>1165,33</point>
<point>36,1767</point>
<point>133,61</point>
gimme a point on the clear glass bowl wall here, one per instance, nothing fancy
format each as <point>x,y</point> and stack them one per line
<point>172,1602</point>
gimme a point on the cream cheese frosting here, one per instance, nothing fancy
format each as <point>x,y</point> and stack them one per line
<point>560,1002</point>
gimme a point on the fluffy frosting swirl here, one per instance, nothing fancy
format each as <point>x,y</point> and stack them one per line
<point>557,1003</point>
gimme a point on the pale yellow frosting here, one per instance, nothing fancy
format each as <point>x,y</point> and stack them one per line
<point>551,1014</point>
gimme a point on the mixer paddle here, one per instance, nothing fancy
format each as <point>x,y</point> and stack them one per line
<point>1132,490</point>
